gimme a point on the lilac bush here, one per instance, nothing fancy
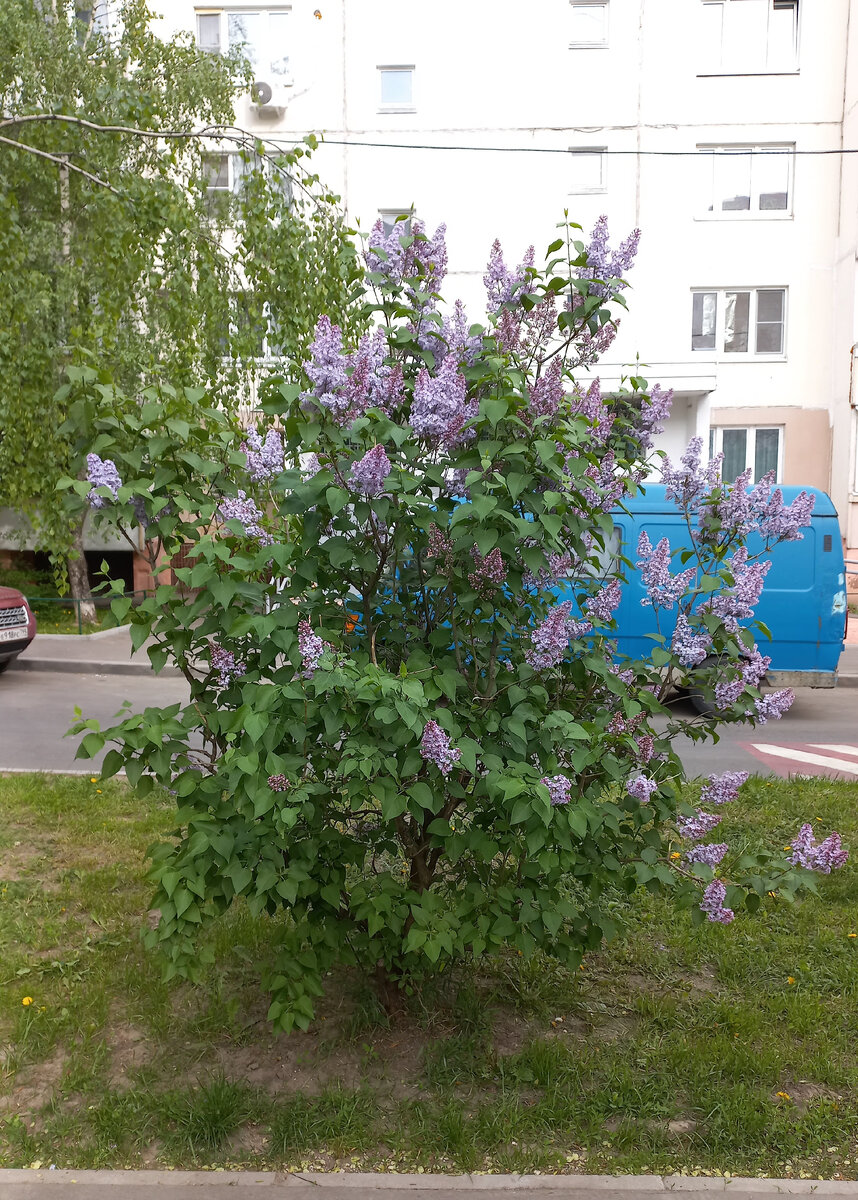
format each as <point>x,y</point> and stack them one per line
<point>409,727</point>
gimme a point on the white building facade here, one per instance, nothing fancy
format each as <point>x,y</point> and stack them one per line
<point>715,126</point>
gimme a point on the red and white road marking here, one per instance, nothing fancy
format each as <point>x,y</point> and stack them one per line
<point>805,758</point>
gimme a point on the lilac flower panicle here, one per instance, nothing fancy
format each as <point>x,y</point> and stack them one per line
<point>646,747</point>
<point>710,854</point>
<point>690,648</point>
<point>605,602</point>
<point>504,286</point>
<point>662,587</point>
<point>655,410</point>
<point>225,665</point>
<point>546,392</point>
<point>640,788</point>
<point>694,829</point>
<point>690,482</point>
<point>826,857</point>
<point>454,483</point>
<point>278,783</point>
<point>435,748</point>
<point>713,903</point>
<point>438,405</point>
<point>773,705</point>
<point>489,572</point>
<point>327,367</point>
<point>311,648</point>
<point>605,267</point>
<point>264,458</point>
<point>550,639</point>
<point>369,473</point>
<point>243,509</point>
<point>101,473</point>
<point>559,788</point>
<point>722,789</point>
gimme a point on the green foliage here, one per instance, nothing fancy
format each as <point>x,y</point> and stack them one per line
<point>112,255</point>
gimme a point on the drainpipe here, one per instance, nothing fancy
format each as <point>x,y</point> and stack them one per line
<point>852,349</point>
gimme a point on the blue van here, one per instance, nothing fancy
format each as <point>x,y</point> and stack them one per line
<point>803,601</point>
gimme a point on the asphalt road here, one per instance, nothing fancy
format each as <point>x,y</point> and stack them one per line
<point>37,707</point>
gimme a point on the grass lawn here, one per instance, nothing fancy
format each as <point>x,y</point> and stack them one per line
<point>710,1050</point>
<point>62,618</point>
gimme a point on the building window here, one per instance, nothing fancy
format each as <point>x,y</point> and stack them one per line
<point>226,173</point>
<point>757,448</point>
<point>588,172</point>
<point>261,35</point>
<point>588,23</point>
<point>747,181</point>
<point>396,89</point>
<point>747,322</point>
<point>748,37</point>
<point>395,218</point>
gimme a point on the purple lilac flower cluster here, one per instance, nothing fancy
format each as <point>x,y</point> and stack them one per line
<point>264,458</point>
<point>369,473</point>
<point>709,854</point>
<point>278,783</point>
<point>590,404</point>
<point>243,509</point>
<point>441,549</point>
<point>655,409</point>
<point>101,473</point>
<point>489,571</point>
<point>640,788</point>
<point>690,648</point>
<point>546,392</point>
<point>722,789</point>
<point>713,903</point>
<point>454,483</point>
<point>439,409</point>
<point>225,665</point>
<point>504,286</point>
<point>559,788</point>
<point>663,589</point>
<point>689,482</point>
<point>605,602</point>
<point>773,706</point>
<point>550,639</point>
<point>825,857</point>
<point>435,748</point>
<point>739,601</point>
<point>694,829</point>
<point>311,648</point>
<point>422,260</point>
<point>605,267</point>
<point>646,747</point>
<point>557,567</point>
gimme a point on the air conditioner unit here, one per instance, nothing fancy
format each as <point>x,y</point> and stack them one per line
<point>268,97</point>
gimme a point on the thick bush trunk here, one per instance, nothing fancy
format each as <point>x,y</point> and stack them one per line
<point>79,579</point>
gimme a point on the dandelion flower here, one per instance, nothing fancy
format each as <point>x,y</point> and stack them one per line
<point>790,979</point>
<point>27,1001</point>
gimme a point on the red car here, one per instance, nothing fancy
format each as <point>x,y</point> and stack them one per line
<point>17,625</point>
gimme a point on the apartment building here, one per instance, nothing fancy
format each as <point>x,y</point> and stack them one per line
<point>716,126</point>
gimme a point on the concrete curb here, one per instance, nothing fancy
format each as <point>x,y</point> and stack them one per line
<point>85,666</point>
<point>16,1180</point>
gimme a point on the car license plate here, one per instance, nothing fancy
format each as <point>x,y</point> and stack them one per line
<point>16,634</point>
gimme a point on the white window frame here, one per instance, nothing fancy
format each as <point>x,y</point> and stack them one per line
<point>602,43</point>
<point>752,353</point>
<point>602,186</point>
<point>708,193</point>
<point>233,157</point>
<point>397,106</point>
<point>389,215</point>
<point>726,66</point>
<point>263,71</point>
<point>716,445</point>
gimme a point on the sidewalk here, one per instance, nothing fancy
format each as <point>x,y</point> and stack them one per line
<point>239,1185</point>
<point>108,652</point>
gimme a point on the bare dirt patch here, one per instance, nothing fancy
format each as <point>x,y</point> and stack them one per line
<point>34,1085</point>
<point>802,1093</point>
<point>128,1048</point>
<point>24,853</point>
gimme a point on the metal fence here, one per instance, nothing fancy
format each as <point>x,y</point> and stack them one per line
<point>69,603</point>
